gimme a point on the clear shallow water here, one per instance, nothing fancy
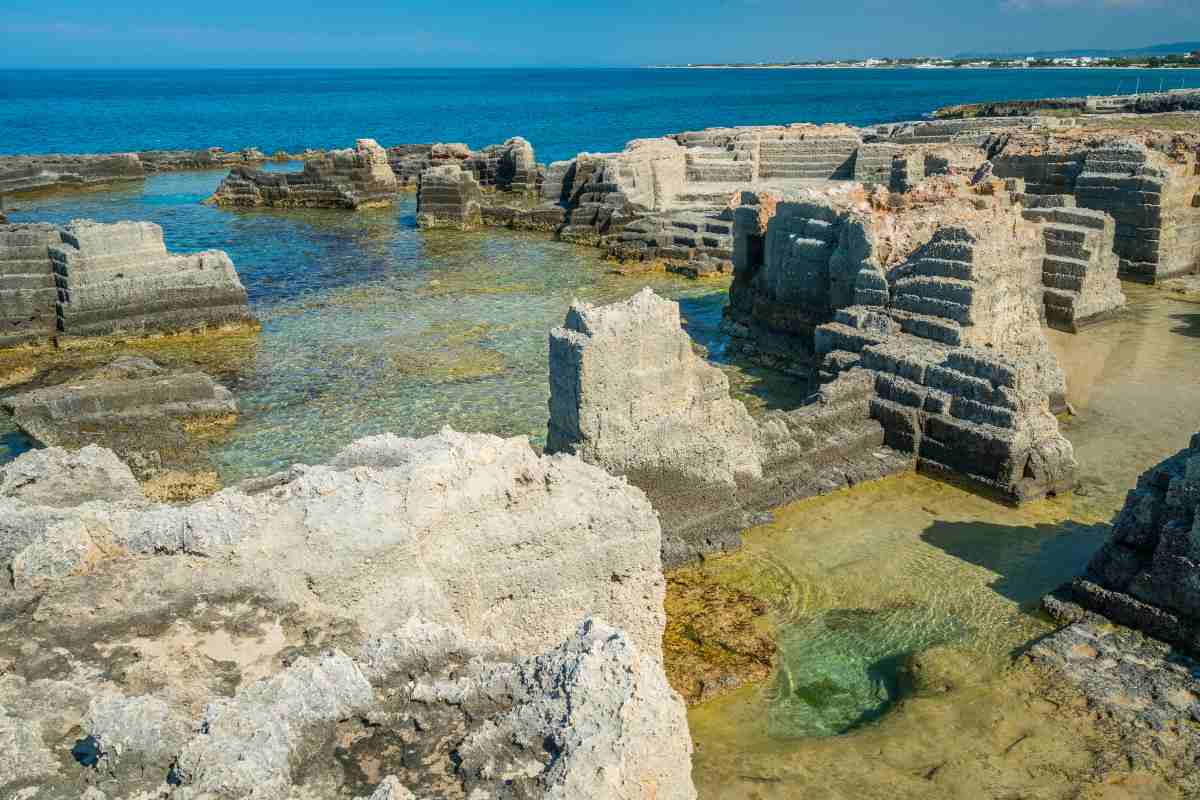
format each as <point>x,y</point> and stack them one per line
<point>370,325</point>
<point>561,111</point>
<point>861,580</point>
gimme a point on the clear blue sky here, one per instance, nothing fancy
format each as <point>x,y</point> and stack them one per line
<point>233,33</point>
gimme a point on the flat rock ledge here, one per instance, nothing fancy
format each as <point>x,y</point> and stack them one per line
<point>448,617</point>
<point>145,413</point>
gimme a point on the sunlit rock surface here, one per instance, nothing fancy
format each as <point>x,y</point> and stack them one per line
<point>284,639</point>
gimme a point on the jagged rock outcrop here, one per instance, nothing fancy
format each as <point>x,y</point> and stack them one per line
<point>628,393</point>
<point>449,197</point>
<point>137,408</point>
<point>1149,184</point>
<point>1146,576</point>
<point>110,279</point>
<point>352,179</point>
<point>412,610</point>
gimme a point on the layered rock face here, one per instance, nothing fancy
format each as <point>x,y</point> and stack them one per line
<point>352,179</point>
<point>938,305</point>
<point>120,278</point>
<point>32,173</point>
<point>28,294</point>
<point>1146,575</point>
<point>134,407</point>
<point>1080,271</point>
<point>628,393</point>
<point>1149,185</point>
<point>449,197</point>
<point>110,279</point>
<point>426,610</point>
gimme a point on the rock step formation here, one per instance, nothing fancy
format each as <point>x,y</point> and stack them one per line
<point>960,411</point>
<point>352,179</point>
<point>628,393</point>
<point>1081,268</point>
<point>947,334</point>
<point>113,279</point>
<point>686,242</point>
<point>1146,575</point>
<point>1148,186</point>
<point>949,131</point>
<point>873,164</point>
<point>120,278</point>
<point>28,293</point>
<point>808,158</point>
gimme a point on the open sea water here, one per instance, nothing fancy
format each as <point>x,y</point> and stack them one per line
<point>561,111</point>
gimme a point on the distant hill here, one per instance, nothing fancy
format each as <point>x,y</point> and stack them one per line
<point>1151,50</point>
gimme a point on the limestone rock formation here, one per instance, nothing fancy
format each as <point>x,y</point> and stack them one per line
<point>65,478</point>
<point>137,408</point>
<point>1148,184</point>
<point>411,610</point>
<point>19,174</point>
<point>628,393</point>
<point>352,179</point>
<point>110,279</point>
<point>31,173</point>
<point>1146,574</point>
<point>448,197</point>
<point>27,289</point>
<point>940,307</point>
<point>119,278</point>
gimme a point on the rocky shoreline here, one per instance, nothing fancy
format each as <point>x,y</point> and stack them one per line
<point>461,616</point>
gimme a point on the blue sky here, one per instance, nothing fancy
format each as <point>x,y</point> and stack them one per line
<point>225,33</point>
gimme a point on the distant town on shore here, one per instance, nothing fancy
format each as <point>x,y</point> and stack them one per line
<point>1180,55</point>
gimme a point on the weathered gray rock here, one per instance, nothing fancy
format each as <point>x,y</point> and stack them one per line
<point>414,591</point>
<point>449,197</point>
<point>132,406</point>
<point>90,279</point>
<point>28,293</point>
<point>30,173</point>
<point>61,478</point>
<point>628,393</point>
<point>938,304</point>
<point>1146,576</point>
<point>352,178</point>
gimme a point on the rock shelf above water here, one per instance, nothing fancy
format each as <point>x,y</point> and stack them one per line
<point>88,279</point>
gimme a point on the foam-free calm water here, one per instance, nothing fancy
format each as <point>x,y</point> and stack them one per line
<point>560,111</point>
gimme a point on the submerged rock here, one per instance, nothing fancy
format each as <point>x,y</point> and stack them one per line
<point>411,610</point>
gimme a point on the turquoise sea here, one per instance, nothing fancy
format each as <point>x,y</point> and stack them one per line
<point>562,112</point>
